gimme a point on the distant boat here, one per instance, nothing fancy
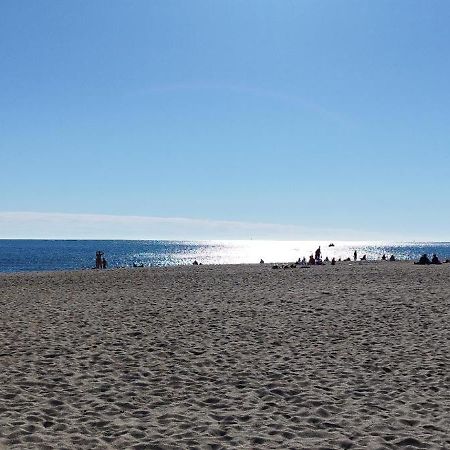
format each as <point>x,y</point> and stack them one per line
<point>331,245</point>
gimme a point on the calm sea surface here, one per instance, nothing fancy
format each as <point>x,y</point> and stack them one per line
<point>37,255</point>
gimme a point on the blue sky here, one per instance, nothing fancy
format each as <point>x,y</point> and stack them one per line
<point>300,115</point>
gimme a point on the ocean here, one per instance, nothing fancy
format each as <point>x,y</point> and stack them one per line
<point>44,255</point>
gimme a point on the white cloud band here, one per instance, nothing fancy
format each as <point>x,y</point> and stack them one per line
<point>38,225</point>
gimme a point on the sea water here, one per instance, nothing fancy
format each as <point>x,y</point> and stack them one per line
<point>42,255</point>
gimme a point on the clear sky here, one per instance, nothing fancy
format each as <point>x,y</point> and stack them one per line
<point>303,116</point>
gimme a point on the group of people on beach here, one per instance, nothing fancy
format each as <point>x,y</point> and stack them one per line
<point>315,259</point>
<point>100,261</point>
<point>424,260</point>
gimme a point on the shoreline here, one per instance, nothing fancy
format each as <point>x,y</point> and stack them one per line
<point>80,255</point>
<point>266,264</point>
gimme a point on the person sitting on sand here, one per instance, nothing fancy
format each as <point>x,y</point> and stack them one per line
<point>195,263</point>
<point>364,258</point>
<point>312,261</point>
<point>383,258</point>
<point>392,258</point>
<point>435,259</point>
<point>333,261</point>
<point>261,261</point>
<point>326,259</point>
<point>424,260</point>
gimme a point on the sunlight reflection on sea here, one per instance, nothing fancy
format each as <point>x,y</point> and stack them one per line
<point>38,255</point>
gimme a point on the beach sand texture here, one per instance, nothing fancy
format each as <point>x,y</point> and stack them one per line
<point>352,356</point>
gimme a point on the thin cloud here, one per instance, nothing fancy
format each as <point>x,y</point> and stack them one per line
<point>39,225</point>
<point>253,91</point>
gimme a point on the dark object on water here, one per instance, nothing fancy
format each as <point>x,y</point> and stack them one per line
<point>195,263</point>
<point>364,258</point>
<point>435,259</point>
<point>392,258</point>
<point>331,245</point>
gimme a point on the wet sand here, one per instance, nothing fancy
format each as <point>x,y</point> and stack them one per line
<point>352,356</point>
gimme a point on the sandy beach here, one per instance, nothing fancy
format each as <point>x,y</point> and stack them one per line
<point>352,356</point>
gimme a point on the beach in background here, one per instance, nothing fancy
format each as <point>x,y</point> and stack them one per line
<point>45,255</point>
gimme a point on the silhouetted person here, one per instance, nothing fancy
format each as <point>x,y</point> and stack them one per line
<point>355,255</point>
<point>98,259</point>
<point>195,263</point>
<point>326,259</point>
<point>424,260</point>
<point>318,253</point>
<point>364,258</point>
<point>383,258</point>
<point>312,261</point>
<point>261,261</point>
<point>301,262</point>
<point>104,263</point>
<point>392,258</point>
<point>333,262</point>
<point>435,259</point>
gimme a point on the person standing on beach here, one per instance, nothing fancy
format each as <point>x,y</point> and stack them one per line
<point>355,255</point>
<point>104,263</point>
<point>98,259</point>
<point>318,253</point>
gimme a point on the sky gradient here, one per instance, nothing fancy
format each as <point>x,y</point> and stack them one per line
<point>302,115</point>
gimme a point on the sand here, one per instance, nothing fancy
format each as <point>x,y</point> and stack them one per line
<point>352,356</point>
